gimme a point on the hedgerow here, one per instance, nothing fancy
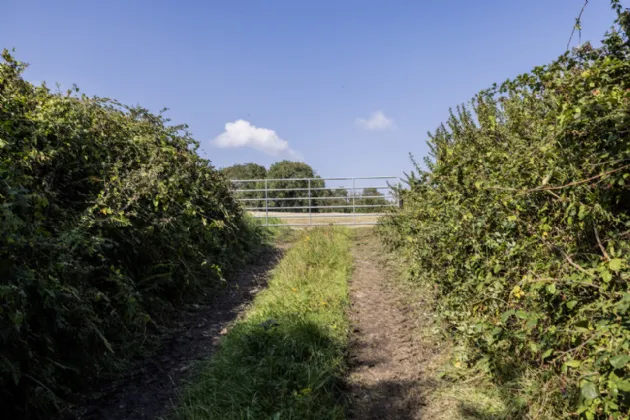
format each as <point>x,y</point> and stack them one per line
<point>521,221</point>
<point>107,218</point>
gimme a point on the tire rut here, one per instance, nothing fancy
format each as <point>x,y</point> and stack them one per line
<point>386,380</point>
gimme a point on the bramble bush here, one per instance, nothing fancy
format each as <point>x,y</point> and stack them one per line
<point>521,221</point>
<point>108,217</point>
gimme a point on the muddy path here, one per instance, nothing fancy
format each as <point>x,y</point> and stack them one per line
<point>386,355</point>
<point>149,391</point>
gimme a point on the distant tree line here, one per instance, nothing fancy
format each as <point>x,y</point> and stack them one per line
<point>292,192</point>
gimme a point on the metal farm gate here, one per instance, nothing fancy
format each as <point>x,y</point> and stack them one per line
<point>310,202</point>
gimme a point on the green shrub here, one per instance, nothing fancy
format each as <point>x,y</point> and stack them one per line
<point>521,222</point>
<point>107,217</point>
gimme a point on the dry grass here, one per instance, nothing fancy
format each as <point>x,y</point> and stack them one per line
<point>324,219</point>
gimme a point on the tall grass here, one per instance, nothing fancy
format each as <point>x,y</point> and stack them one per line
<point>284,358</point>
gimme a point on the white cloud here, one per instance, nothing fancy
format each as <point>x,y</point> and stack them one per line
<point>241,133</point>
<point>377,121</point>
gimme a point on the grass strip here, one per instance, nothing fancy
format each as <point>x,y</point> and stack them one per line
<point>284,358</point>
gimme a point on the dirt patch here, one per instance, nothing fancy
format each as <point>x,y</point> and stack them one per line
<point>387,379</point>
<point>149,391</point>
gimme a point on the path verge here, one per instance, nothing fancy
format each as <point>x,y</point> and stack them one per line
<point>284,359</point>
<point>148,390</point>
<point>401,365</point>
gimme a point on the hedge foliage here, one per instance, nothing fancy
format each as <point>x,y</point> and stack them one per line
<point>107,218</point>
<point>521,221</point>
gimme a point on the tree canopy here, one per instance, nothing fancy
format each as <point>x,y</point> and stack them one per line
<point>245,171</point>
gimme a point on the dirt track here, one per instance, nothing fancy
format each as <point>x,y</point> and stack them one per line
<point>386,378</point>
<point>386,357</point>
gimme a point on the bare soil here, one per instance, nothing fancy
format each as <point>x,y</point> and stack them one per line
<point>387,355</point>
<point>149,390</point>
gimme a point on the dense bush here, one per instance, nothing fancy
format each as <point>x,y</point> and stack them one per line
<point>107,217</point>
<point>521,221</point>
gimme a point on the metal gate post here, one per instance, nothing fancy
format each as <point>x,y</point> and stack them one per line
<point>310,204</point>
<point>354,193</point>
<point>266,205</point>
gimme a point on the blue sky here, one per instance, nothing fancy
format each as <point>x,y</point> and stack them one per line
<point>351,87</point>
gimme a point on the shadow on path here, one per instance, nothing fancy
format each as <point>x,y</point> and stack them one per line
<point>148,391</point>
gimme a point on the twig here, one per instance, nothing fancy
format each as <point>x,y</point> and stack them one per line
<point>576,348</point>
<point>610,162</point>
<point>554,194</point>
<point>557,281</point>
<point>571,184</point>
<point>488,298</point>
<point>601,247</point>
<point>570,261</point>
<point>560,187</point>
<point>472,379</point>
<point>544,401</point>
<point>577,23</point>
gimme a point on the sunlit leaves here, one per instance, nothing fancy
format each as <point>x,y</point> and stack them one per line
<point>108,217</point>
<point>520,219</point>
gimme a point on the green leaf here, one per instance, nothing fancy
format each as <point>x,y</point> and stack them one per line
<point>571,304</point>
<point>531,323</point>
<point>619,361</point>
<point>522,314</point>
<point>615,264</point>
<point>105,341</point>
<point>573,363</point>
<point>547,353</point>
<point>606,275</point>
<point>551,288</point>
<point>506,315</point>
<point>582,213</point>
<point>623,386</point>
<point>589,391</point>
<point>17,318</point>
